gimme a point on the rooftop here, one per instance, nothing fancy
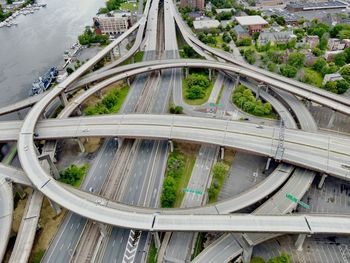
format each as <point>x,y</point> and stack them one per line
<point>319,5</point>
<point>251,20</point>
<point>201,24</point>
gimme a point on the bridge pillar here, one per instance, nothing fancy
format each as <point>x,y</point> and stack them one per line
<point>128,82</point>
<point>171,144</point>
<point>81,145</point>
<point>267,88</point>
<point>210,74</point>
<point>156,239</point>
<point>120,53</point>
<point>19,115</point>
<point>268,164</point>
<point>308,104</point>
<point>103,229</point>
<point>257,95</point>
<point>321,183</point>
<point>78,111</point>
<point>238,79</point>
<point>53,168</point>
<point>19,189</point>
<point>300,241</point>
<point>99,94</point>
<point>247,254</point>
<point>222,153</point>
<point>331,120</point>
<point>132,59</point>
<point>186,72</point>
<point>111,54</point>
<point>63,99</point>
<point>56,207</point>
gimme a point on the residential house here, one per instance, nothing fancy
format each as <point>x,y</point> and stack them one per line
<point>241,32</point>
<point>332,77</point>
<point>312,41</point>
<point>275,37</point>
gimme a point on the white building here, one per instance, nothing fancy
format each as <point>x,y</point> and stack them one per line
<point>331,77</point>
<point>113,23</point>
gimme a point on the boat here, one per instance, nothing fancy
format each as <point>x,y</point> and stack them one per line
<point>43,83</point>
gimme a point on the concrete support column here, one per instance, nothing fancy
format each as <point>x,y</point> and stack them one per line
<point>268,164</point>
<point>331,120</point>
<point>222,153</point>
<point>81,145</point>
<point>267,88</point>
<point>120,142</point>
<point>209,74</point>
<point>308,104</point>
<point>78,111</point>
<point>171,145</point>
<point>321,183</point>
<point>156,239</point>
<point>186,72</point>
<point>86,87</point>
<point>99,94</point>
<point>53,168</point>
<point>111,54</point>
<point>63,99</point>
<point>20,191</point>
<point>43,115</point>
<point>19,115</point>
<point>247,254</point>
<point>103,229</point>
<point>238,79</point>
<point>56,208</point>
<point>300,241</point>
<point>120,53</point>
<point>257,95</point>
<point>132,59</point>
<point>128,82</point>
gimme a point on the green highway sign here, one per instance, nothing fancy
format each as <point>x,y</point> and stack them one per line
<point>294,199</point>
<point>189,190</point>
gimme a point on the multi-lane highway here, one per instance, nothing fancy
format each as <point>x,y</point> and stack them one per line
<point>321,152</point>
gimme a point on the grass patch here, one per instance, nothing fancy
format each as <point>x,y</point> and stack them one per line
<point>190,160</point>
<point>198,246</point>
<point>38,256</point>
<point>74,174</point>
<point>152,254</point>
<point>138,56</point>
<point>312,77</point>
<point>127,6</point>
<point>178,173</point>
<point>111,102</point>
<point>220,170</point>
<point>204,90</point>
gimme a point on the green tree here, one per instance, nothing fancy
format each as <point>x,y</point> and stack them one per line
<point>69,70</point>
<point>342,86</point>
<point>249,55</point>
<point>296,60</point>
<point>340,59</point>
<point>226,37</point>
<point>168,196</point>
<point>345,72</point>
<point>319,64</point>
<point>288,71</point>
<point>331,86</point>
<point>344,34</point>
<point>317,52</point>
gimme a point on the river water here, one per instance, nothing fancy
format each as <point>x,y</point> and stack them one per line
<point>38,42</point>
